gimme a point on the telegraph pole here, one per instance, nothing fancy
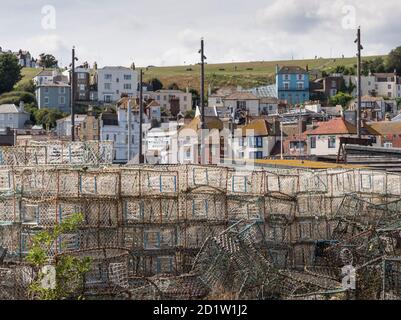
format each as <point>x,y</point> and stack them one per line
<point>129,120</point>
<point>202,99</point>
<point>358,111</point>
<point>140,116</point>
<point>73,95</point>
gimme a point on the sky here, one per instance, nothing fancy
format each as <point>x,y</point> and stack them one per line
<point>168,32</point>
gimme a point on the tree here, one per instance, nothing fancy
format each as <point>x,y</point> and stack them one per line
<point>26,86</point>
<point>156,84</point>
<point>69,271</point>
<point>394,60</point>
<point>173,86</point>
<point>195,97</point>
<point>10,72</point>
<point>48,117</point>
<point>341,98</point>
<point>47,61</point>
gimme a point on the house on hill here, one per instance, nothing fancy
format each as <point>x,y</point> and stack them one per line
<point>292,84</point>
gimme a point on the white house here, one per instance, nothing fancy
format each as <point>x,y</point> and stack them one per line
<point>63,128</point>
<point>243,101</point>
<point>378,84</point>
<point>255,140</point>
<point>114,127</point>
<point>112,82</point>
<point>268,105</point>
<point>12,116</point>
<point>324,140</point>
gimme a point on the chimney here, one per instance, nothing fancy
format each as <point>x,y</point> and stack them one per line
<point>21,106</point>
<point>307,68</point>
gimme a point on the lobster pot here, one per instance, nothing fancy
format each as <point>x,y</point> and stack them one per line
<point>99,184</point>
<point>313,205</point>
<point>10,239</point>
<point>130,183</point>
<point>392,279</point>
<point>108,270</point>
<point>193,236</point>
<point>100,213</point>
<point>277,232</point>
<point>371,182</point>
<point>245,208</point>
<point>162,210</point>
<point>281,208</point>
<point>15,281</point>
<point>303,254</point>
<point>281,184</point>
<point>155,183</point>
<point>313,182</point>
<point>343,182</point>
<point>205,206</point>
<point>213,177</point>
<point>98,238</point>
<point>39,183</point>
<point>158,265</point>
<point>393,184</point>
<point>245,182</point>
<point>309,229</point>
<point>42,214</point>
<point>8,212</point>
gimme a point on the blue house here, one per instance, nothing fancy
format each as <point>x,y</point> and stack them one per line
<point>292,84</point>
<point>56,95</point>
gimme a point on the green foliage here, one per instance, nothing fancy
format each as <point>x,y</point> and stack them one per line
<point>345,70</point>
<point>48,117</point>
<point>394,60</point>
<point>156,84</point>
<point>10,72</point>
<point>14,97</point>
<point>341,98</point>
<point>374,66</point>
<point>190,113</point>
<point>47,61</point>
<point>173,86</point>
<point>27,86</point>
<point>70,270</point>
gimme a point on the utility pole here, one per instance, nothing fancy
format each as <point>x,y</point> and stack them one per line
<point>359,90</point>
<point>73,95</point>
<point>129,120</point>
<point>140,116</point>
<point>202,100</point>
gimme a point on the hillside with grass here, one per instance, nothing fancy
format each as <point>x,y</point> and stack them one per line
<point>244,74</point>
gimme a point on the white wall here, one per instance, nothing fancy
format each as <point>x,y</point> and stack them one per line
<point>116,83</point>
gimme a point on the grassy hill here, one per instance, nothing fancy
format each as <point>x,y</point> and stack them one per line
<point>245,74</point>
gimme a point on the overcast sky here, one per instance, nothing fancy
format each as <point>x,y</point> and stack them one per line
<point>167,32</point>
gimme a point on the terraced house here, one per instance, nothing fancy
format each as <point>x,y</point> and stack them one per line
<point>292,84</point>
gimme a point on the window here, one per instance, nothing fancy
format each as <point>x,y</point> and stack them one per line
<point>61,100</point>
<point>185,98</point>
<point>107,99</point>
<point>389,94</point>
<point>256,155</point>
<point>241,105</point>
<point>389,86</point>
<point>81,87</point>
<point>117,80</point>
<point>127,86</point>
<point>332,142</point>
<point>107,76</point>
<point>107,86</point>
<point>61,90</point>
<point>259,142</point>
<point>313,142</point>
<point>127,77</point>
<point>81,75</point>
<point>333,83</point>
<point>286,77</point>
<point>107,137</point>
<point>46,100</point>
<point>46,90</point>
<point>388,145</point>
<point>286,85</point>
<point>300,76</point>
<point>188,154</point>
<point>241,142</point>
<point>300,85</point>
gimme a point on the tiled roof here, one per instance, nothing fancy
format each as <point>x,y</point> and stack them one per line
<point>241,96</point>
<point>371,99</point>
<point>340,126</point>
<point>211,123</point>
<point>9,108</point>
<point>292,69</point>
<point>385,128</point>
<point>45,73</point>
<point>260,127</point>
